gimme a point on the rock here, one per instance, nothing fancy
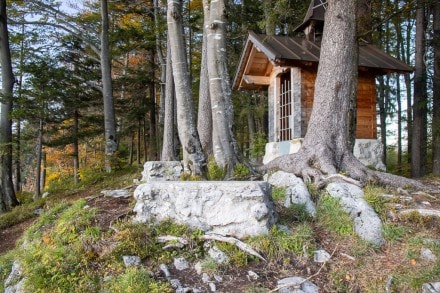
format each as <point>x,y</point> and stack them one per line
<point>218,278</point>
<point>165,270</point>
<point>403,192</point>
<point>304,287</point>
<point>118,193</point>
<point>17,288</point>
<point>370,153</point>
<point>422,212</point>
<point>15,275</point>
<point>285,229</point>
<point>212,287</point>
<point>321,256</point>
<point>198,268</point>
<point>296,192</point>
<point>217,207</point>
<point>206,278</point>
<point>175,283</point>
<point>162,171</point>
<point>45,194</point>
<point>252,276</point>
<point>427,255</point>
<point>131,260</point>
<point>433,287</point>
<point>367,223</point>
<point>181,264</point>
<point>217,255</point>
<point>38,211</point>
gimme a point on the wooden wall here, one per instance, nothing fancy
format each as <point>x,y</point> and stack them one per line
<point>366,103</point>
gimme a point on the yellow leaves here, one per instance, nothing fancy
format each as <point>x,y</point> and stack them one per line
<point>131,20</point>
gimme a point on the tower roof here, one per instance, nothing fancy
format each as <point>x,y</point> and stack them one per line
<point>315,12</point>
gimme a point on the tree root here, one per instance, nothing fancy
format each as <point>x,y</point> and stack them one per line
<point>316,166</point>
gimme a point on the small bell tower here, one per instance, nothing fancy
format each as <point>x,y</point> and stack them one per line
<point>313,23</point>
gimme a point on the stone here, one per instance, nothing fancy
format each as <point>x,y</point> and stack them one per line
<point>211,206</point>
<point>427,255</point>
<point>15,275</point>
<point>162,171</point>
<point>422,212</point>
<point>304,287</point>
<point>252,276</point>
<point>433,287</point>
<point>212,287</point>
<point>181,263</point>
<point>165,270</point>
<point>321,256</point>
<point>17,288</point>
<point>118,193</point>
<point>218,278</point>
<point>131,260</point>
<point>198,268</point>
<point>175,283</point>
<point>206,278</point>
<point>45,194</point>
<point>370,153</point>
<point>38,211</point>
<point>296,192</point>
<point>367,223</point>
<point>217,255</point>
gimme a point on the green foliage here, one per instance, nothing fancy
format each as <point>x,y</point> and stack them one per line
<point>134,280</point>
<point>279,245</point>
<point>298,213</point>
<point>186,176</point>
<point>215,172</point>
<point>55,260</point>
<point>6,261</point>
<point>241,172</point>
<point>278,193</point>
<point>258,145</point>
<point>372,195</point>
<point>332,217</point>
<point>394,232</point>
<point>20,213</point>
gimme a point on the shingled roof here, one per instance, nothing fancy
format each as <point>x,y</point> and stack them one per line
<point>262,52</point>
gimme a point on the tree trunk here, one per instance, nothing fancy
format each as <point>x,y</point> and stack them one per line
<point>75,147</point>
<point>436,94</point>
<point>204,119</point>
<point>107,90</point>
<point>153,141</point>
<point>37,192</point>
<point>193,157</point>
<point>325,149</point>
<point>418,155</point>
<point>7,196</point>
<point>225,147</point>
<point>408,86</point>
<point>168,153</point>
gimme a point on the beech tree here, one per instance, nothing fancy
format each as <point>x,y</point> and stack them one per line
<point>7,193</point>
<point>193,157</point>
<point>325,151</point>
<point>225,148</point>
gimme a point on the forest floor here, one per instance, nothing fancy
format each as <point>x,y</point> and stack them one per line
<point>354,265</point>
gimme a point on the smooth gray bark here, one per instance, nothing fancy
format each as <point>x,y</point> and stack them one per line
<point>204,118</point>
<point>7,193</point>
<point>168,153</point>
<point>224,145</point>
<point>107,90</point>
<point>193,157</point>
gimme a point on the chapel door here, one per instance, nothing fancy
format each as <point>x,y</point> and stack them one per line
<point>285,121</point>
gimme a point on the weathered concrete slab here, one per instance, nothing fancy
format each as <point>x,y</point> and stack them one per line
<point>162,171</point>
<point>236,208</point>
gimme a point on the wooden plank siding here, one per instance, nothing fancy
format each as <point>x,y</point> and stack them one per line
<point>366,104</point>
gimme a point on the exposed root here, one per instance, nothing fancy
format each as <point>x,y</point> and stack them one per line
<point>311,167</point>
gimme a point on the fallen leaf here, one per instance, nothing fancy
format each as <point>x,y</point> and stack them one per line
<point>413,262</point>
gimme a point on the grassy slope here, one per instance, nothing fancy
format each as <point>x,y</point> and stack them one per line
<point>66,251</point>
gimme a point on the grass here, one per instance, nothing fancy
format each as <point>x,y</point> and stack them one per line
<point>66,252</point>
<point>332,217</point>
